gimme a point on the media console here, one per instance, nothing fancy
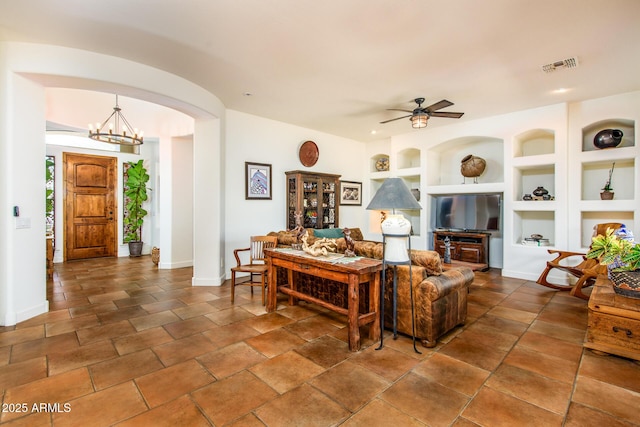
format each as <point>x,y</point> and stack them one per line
<point>470,248</point>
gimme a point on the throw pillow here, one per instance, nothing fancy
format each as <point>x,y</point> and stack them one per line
<point>330,233</point>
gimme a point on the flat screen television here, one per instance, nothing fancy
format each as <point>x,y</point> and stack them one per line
<point>468,212</point>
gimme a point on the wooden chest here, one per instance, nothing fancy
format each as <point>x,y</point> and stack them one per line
<point>614,322</point>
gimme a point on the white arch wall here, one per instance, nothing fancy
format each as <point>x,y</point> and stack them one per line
<point>25,69</point>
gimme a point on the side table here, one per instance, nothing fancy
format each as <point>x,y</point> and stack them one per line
<point>614,322</point>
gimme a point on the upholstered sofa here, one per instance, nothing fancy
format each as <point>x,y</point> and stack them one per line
<point>440,296</point>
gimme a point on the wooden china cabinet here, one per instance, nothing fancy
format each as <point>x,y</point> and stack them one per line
<point>315,196</point>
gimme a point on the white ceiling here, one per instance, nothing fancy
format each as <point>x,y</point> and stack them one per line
<point>336,66</point>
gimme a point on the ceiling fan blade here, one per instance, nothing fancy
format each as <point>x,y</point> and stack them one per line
<point>397,118</point>
<point>438,105</point>
<point>398,109</point>
<point>446,114</point>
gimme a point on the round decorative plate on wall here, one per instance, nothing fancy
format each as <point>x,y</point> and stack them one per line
<point>309,153</point>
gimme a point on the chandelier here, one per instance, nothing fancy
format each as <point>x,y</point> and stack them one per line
<point>116,129</point>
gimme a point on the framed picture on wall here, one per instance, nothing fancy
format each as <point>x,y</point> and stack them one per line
<point>351,193</point>
<point>257,181</point>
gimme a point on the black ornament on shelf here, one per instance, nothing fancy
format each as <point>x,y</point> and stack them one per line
<point>608,138</point>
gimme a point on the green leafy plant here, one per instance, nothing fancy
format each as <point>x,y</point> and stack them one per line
<point>607,185</point>
<point>49,205</point>
<point>618,253</point>
<point>136,191</point>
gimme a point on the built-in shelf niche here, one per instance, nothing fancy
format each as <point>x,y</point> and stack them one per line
<point>596,174</point>
<point>626,126</point>
<point>373,163</point>
<point>528,178</point>
<point>590,219</point>
<point>534,142</point>
<point>408,158</point>
<point>444,161</point>
<point>526,223</point>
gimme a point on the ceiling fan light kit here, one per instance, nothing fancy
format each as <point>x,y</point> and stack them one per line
<point>420,116</point>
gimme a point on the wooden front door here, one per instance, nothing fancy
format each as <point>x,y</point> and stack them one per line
<point>90,206</point>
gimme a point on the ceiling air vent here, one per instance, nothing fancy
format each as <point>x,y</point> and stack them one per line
<point>565,63</point>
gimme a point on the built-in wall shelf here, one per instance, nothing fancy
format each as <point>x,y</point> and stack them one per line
<point>467,188</point>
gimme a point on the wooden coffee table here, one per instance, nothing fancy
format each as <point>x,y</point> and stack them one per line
<point>360,270</point>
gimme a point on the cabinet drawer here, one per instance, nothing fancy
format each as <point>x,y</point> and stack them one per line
<point>614,330</point>
<point>470,253</point>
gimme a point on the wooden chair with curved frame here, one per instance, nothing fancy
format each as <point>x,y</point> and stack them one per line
<point>256,265</point>
<point>586,271</point>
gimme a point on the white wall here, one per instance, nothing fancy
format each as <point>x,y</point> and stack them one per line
<point>256,139</point>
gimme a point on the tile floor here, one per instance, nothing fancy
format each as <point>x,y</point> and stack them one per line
<point>127,344</point>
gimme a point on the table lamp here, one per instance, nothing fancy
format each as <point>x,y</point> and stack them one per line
<point>394,194</point>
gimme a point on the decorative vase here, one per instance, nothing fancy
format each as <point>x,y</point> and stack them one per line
<point>608,138</point>
<point>472,166</point>
<point>606,195</point>
<point>540,191</point>
<point>155,255</point>
<point>626,283</point>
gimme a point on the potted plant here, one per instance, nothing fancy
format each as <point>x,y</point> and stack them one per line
<point>621,255</point>
<point>136,194</point>
<point>607,191</point>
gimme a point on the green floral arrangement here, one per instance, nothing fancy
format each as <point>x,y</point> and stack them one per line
<point>616,251</point>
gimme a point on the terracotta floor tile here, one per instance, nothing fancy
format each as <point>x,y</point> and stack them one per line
<point>425,400</point>
<point>193,310</point>
<point>286,371</point>
<point>513,314</point>
<point>85,310</point>
<point>190,326</point>
<point>122,314</point>
<point>475,354</point>
<point>388,363</point>
<point>275,342</point>
<point>286,410</point>
<point>104,332</point>
<point>110,296</point>
<point>608,398</point>
<point>21,335</point>
<point>506,326</point>
<point>179,412</point>
<point>5,355</point>
<point>22,372</point>
<point>105,407</point>
<point>152,320</point>
<point>299,312</point>
<point>550,366</point>
<point>159,306</point>
<point>311,328</point>
<point>169,383</point>
<point>115,371</point>
<point>133,301</point>
<point>492,408</point>
<point>534,388</point>
<point>66,360</point>
<point>581,416</point>
<point>234,397</point>
<point>380,414</point>
<point>231,359</point>
<point>551,346</point>
<point>230,315</point>
<point>71,325</point>
<point>44,346</point>
<point>559,331</point>
<point>325,351</point>
<point>54,389</point>
<point>452,373</point>
<point>349,384</point>
<point>186,348</point>
<point>477,334</point>
<point>229,334</point>
<point>268,322</point>
<point>617,371</point>
<point>141,340</point>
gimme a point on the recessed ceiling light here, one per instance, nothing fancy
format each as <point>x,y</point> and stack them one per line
<point>561,90</point>
<point>373,132</point>
<point>247,94</point>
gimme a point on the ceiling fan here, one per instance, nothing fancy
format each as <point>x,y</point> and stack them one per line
<point>420,115</point>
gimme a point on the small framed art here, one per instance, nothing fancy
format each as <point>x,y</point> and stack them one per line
<point>257,181</point>
<point>351,193</point>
